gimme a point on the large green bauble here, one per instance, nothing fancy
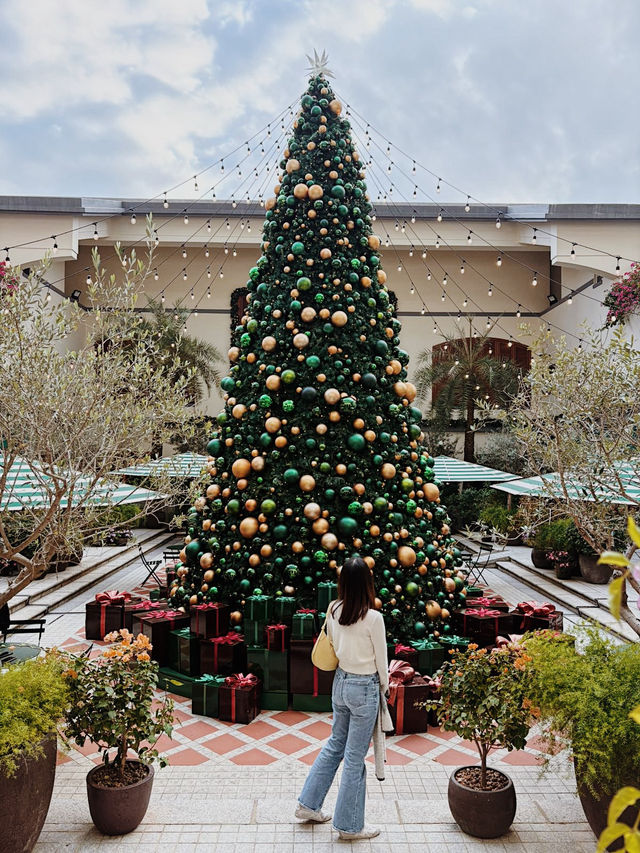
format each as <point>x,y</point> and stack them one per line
<point>233,506</point>
<point>192,550</point>
<point>419,629</point>
<point>213,448</point>
<point>297,248</point>
<point>228,383</point>
<point>264,401</point>
<point>309,393</point>
<point>291,476</point>
<point>268,506</point>
<point>356,441</point>
<point>313,362</point>
<point>288,376</point>
<point>338,191</point>
<point>280,531</point>
<point>412,589</point>
<point>380,504</point>
<point>347,525</point>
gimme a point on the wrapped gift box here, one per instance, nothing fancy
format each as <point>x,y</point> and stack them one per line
<point>175,682</point>
<point>406,653</point>
<point>160,593</point>
<point>304,677</point>
<point>283,609</point>
<point>157,625</point>
<point>408,704</point>
<point>431,655</point>
<point>490,602</point>
<point>305,702</point>
<point>474,592</point>
<point>205,696</point>
<point>135,608</point>
<point>105,614</point>
<point>239,698</point>
<point>277,637</point>
<point>327,592</point>
<point>210,620</point>
<point>453,642</point>
<point>259,608</point>
<point>223,655</point>
<point>275,700</point>
<point>271,667</point>
<point>484,625</point>
<point>184,652</point>
<point>305,625</point>
<point>535,616</point>
<point>255,631</point>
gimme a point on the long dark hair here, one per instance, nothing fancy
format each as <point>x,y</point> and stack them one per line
<point>355,591</point>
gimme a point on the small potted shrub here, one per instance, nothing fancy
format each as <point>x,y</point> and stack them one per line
<point>482,699</point>
<point>33,700</point>
<point>562,564</point>
<point>590,570</point>
<point>111,705</point>
<point>540,548</point>
<point>582,699</point>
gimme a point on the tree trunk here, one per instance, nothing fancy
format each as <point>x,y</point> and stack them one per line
<point>469,434</point>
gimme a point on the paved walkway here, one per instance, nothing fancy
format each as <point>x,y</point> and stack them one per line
<point>233,787</point>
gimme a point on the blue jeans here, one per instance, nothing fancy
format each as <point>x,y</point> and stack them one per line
<point>355,700</point>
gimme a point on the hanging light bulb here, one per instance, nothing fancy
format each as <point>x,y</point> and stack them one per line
<point>195,183</point>
<point>618,264</point>
<point>490,291</point>
<point>439,216</point>
<point>208,293</point>
<point>534,280</point>
<point>413,220</point>
<point>459,315</point>
<point>462,267</point>
<point>580,346</point>
<point>438,186</point>
<point>133,219</point>
<point>234,203</point>
<point>155,274</point>
<point>228,224</point>
<point>184,251</point>
<point>428,275</point>
<point>412,289</point>
<point>465,302</point>
<point>235,254</point>
<point>165,201</point>
<point>467,206</point>
<point>499,261</point>
<point>209,226</point>
<point>88,280</point>
<point>443,297</point>
<point>435,329</point>
<point>444,280</point>
<point>399,267</point>
<point>422,310</point>
<point>488,322</point>
<point>55,245</point>
<point>411,252</point>
<point>184,273</point>
<point>156,237</point>
<point>186,218</point>
<point>499,221</point>
<point>48,295</point>
<point>221,274</point>
<point>573,250</point>
<point>469,237</point>
<point>206,251</point>
<point>534,238</point>
<point>192,294</point>
<point>518,312</point>
<point>195,313</point>
<point>424,254</point>
<point>95,230</point>
<point>162,297</point>
<point>437,241</point>
<point>208,272</point>
<point>570,299</point>
<point>7,259</point>
<point>397,225</point>
<point>510,344</point>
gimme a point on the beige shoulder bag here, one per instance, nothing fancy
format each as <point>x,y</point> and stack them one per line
<point>323,655</point>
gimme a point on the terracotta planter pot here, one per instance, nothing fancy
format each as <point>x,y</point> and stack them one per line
<point>591,571</point>
<point>483,814</point>
<point>25,799</point>
<point>117,811</point>
<point>595,810</point>
<point>540,559</point>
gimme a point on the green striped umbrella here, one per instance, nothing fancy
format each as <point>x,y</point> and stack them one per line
<point>28,488</point>
<point>185,465</point>
<point>550,486</point>
<point>450,470</point>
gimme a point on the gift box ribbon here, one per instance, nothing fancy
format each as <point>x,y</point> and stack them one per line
<point>401,649</point>
<point>482,613</point>
<point>238,681</point>
<point>277,636</point>
<point>112,596</point>
<point>164,614</point>
<point>230,639</point>
<point>424,645</point>
<point>208,681</point>
<point>400,673</point>
<point>455,640</point>
<point>146,605</point>
<point>306,610</point>
<point>484,602</point>
<point>204,608</point>
<point>530,609</point>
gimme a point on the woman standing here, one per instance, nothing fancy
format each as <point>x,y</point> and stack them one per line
<point>356,630</point>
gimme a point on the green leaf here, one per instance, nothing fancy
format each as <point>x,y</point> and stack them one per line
<point>635,714</point>
<point>613,558</point>
<point>634,531</point>
<point>624,798</point>
<point>632,841</point>
<point>615,596</point>
<point>610,834</point>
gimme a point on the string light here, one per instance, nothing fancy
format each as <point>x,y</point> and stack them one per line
<point>195,313</point>
<point>465,302</point>
<point>165,201</point>
<point>7,260</point>
<point>469,237</point>
<point>208,293</point>
<point>438,186</point>
<point>499,221</point>
<point>155,274</point>
<point>534,238</point>
<point>439,216</point>
<point>184,273</point>
<point>95,230</point>
<point>156,237</point>
<point>617,264</point>
<point>228,224</point>
<point>490,291</point>
<point>510,344</point>
<point>186,218</point>
<point>580,346</point>
<point>435,329</point>
<point>208,272</point>
<point>88,280</point>
<point>184,251</point>
<point>444,280</point>
<point>208,226</point>
<point>48,295</point>
<point>193,296</point>
<point>411,252</point>
<point>424,254</point>
<point>226,249</point>
<point>55,245</point>
<point>499,261</point>
<point>235,254</point>
<point>437,241</point>
<point>162,297</point>
<point>422,310</point>
<point>462,267</point>
<point>195,183</point>
<point>467,206</point>
<point>133,219</point>
<point>221,274</point>
<point>519,312</point>
<point>570,299</point>
<point>412,289</point>
<point>534,280</point>
<point>206,251</point>
<point>443,297</point>
<point>428,275</point>
<point>573,250</point>
<point>488,322</point>
<point>459,315</point>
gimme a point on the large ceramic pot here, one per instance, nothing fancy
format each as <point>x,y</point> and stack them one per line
<point>25,799</point>
<point>483,814</point>
<point>596,808</point>
<point>591,571</point>
<point>116,811</point>
<point>540,558</point>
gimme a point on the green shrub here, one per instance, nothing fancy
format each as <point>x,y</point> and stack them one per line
<point>33,700</point>
<point>554,536</point>
<point>498,517</point>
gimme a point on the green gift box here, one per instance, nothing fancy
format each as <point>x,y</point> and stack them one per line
<point>431,655</point>
<point>175,682</point>
<point>304,625</point>
<point>306,702</point>
<point>271,667</point>
<point>204,695</point>
<point>184,652</point>
<point>254,632</point>
<point>274,700</point>
<point>454,642</point>
<point>327,592</point>
<point>158,593</point>
<point>283,609</point>
<point>474,592</point>
<point>259,608</point>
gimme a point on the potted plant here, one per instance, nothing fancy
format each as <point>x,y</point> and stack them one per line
<point>112,706</point>
<point>540,548</point>
<point>582,699</point>
<point>33,699</point>
<point>590,569</point>
<point>562,564</point>
<point>482,699</point>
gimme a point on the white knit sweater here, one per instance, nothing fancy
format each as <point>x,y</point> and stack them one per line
<point>361,648</point>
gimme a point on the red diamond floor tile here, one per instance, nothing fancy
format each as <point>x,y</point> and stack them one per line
<point>417,743</point>
<point>541,745</point>
<point>260,729</point>
<point>395,758</point>
<point>454,757</point>
<point>164,743</point>
<point>290,718</point>
<point>62,758</point>
<point>223,744</point>
<point>253,758</point>
<point>319,730</point>
<point>186,757</point>
<point>288,744</point>
<point>440,733</point>
<point>194,731</point>
<point>522,759</point>
<point>310,757</point>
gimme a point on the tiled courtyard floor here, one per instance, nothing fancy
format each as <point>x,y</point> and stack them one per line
<point>233,788</point>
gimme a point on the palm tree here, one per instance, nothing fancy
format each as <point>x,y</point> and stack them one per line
<point>461,372</point>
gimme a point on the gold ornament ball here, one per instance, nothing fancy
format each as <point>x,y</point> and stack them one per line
<point>301,191</point>
<point>269,343</point>
<point>335,106</point>
<point>339,318</point>
<point>331,396</point>
<point>297,547</point>
<point>300,341</point>
<point>308,314</point>
<point>272,382</point>
<point>235,617</point>
<point>315,192</point>
<point>400,388</point>
<point>449,584</point>
<point>289,590</point>
<point>406,555</point>
<point>200,504</point>
<point>388,471</point>
<point>374,242</point>
<point>213,491</point>
<point>193,600</point>
<point>241,468</point>
<point>431,491</point>
<point>207,577</point>
<point>329,541</point>
<point>312,510</point>
<point>206,561</point>
<point>234,354</point>
<point>292,166</point>
<point>182,556</point>
<point>307,483</point>
<point>433,609</point>
<point>272,424</point>
<point>249,527</point>
<point>445,613</point>
<point>257,463</point>
<point>410,391</point>
<point>239,411</point>
<point>378,603</point>
<point>320,526</point>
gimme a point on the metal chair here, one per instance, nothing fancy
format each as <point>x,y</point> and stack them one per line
<point>24,626</point>
<point>482,559</point>
<point>171,553</point>
<point>151,566</point>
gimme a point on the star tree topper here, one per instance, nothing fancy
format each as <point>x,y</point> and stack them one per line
<point>318,64</point>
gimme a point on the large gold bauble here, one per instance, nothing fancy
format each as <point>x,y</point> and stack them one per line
<point>241,468</point>
<point>249,527</point>
<point>444,613</point>
<point>331,396</point>
<point>200,504</point>
<point>325,253</point>
<point>329,541</point>
<point>308,314</point>
<point>406,555</point>
<point>335,106</point>
<point>182,556</point>
<point>307,483</point>
<point>378,603</point>
<point>312,510</point>
<point>315,192</point>
<point>433,609</point>
<point>321,429</point>
<point>193,600</point>
<point>320,526</point>
<point>270,203</point>
<point>292,166</point>
<point>297,547</point>
<point>410,391</point>
<point>272,382</point>
<point>272,424</point>
<point>301,191</point>
<point>334,416</point>
<point>388,471</point>
<point>269,343</point>
<point>300,341</point>
<point>257,463</point>
<point>339,318</point>
<point>400,388</point>
<point>235,617</point>
<point>207,577</point>
<point>449,584</point>
<point>239,410</point>
<point>374,242</point>
<point>289,590</point>
<point>206,561</point>
<point>234,354</point>
<point>382,277</point>
<point>213,491</point>
<point>431,491</point>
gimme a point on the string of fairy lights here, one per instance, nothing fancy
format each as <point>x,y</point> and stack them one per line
<point>249,182</point>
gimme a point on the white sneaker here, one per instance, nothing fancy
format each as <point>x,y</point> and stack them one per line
<point>303,813</point>
<point>365,832</point>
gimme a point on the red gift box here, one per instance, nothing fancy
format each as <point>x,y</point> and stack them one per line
<point>223,655</point>
<point>535,616</point>
<point>136,608</point>
<point>406,653</point>
<point>210,620</point>
<point>239,698</point>
<point>277,637</point>
<point>105,614</point>
<point>304,677</point>
<point>484,625</point>
<point>493,602</point>
<point>408,695</point>
<point>157,626</point>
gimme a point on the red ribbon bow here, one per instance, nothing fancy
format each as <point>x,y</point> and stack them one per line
<point>112,596</point>
<point>483,602</point>
<point>210,605</point>
<point>484,611</point>
<point>403,650</point>
<point>229,639</point>
<point>163,614</point>
<point>535,608</point>
<point>306,610</point>
<point>400,671</point>
<point>146,605</point>
<point>238,679</point>
<point>275,631</point>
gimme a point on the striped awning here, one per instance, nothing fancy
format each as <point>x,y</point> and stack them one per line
<point>183,465</point>
<point>450,470</point>
<point>29,488</point>
<point>550,486</point>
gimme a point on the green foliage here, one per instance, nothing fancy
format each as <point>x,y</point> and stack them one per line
<point>437,437</point>
<point>583,700</point>
<point>501,451</point>
<point>464,507</point>
<point>498,517</point>
<point>482,699</point>
<point>111,701</point>
<point>33,700</point>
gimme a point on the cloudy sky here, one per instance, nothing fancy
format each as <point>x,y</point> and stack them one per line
<point>511,100</point>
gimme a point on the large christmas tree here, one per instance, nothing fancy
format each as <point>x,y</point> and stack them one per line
<point>318,454</point>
